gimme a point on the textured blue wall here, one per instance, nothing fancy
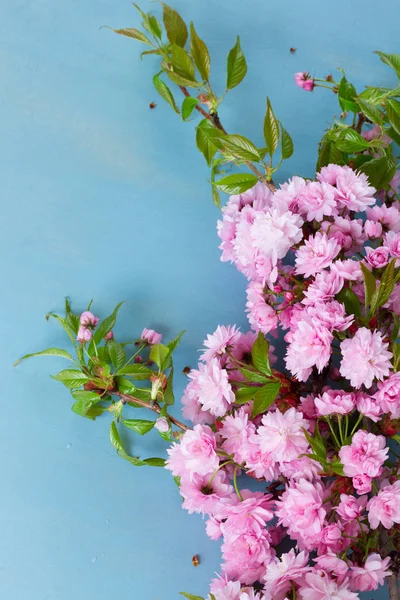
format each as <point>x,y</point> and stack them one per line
<point>104,198</point>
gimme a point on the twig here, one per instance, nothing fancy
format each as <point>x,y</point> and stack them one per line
<point>215,120</point>
<point>154,407</point>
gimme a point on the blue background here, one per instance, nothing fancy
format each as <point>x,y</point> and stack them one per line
<point>103,198</point>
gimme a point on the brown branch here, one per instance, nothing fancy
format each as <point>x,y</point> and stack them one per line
<point>215,120</point>
<point>393,586</point>
<point>154,407</point>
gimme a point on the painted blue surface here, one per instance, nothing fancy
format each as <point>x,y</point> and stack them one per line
<point>103,198</point>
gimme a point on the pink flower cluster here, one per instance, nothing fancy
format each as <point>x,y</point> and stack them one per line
<point>322,259</point>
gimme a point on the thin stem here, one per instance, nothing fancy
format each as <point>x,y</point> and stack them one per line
<point>356,425</point>
<point>340,428</point>
<point>134,356</point>
<point>239,495</point>
<point>154,407</point>
<point>216,471</point>
<point>215,120</point>
<point>333,433</point>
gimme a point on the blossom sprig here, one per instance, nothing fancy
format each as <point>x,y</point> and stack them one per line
<point>353,142</point>
<point>112,377</point>
<point>185,61</point>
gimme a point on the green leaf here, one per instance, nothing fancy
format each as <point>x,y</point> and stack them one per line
<point>106,325</point>
<point>82,410</point>
<point>351,141</point>
<point>386,285</point>
<point>375,96</point>
<point>117,354</point>
<point>173,344</point>
<point>71,378</point>
<point>216,197</point>
<point>264,397</point>
<point>370,111</point>
<point>138,425</point>
<point>271,130</point>
<point>393,113</point>
<point>174,26</point>
<point>337,467</point>
<point>369,285</point>
<point>182,81</point>
<point>347,94</point>
<point>160,354</point>
<point>393,60</point>
<point>64,325</point>
<point>188,106</point>
<point>154,462</point>
<point>135,34</point>
<point>191,596</point>
<point>200,54</point>
<point>350,301</point>
<point>88,399</point>
<point>245,393</point>
<point>182,63</point>
<point>241,147</point>
<point>237,183</point>
<point>259,355</point>
<point>396,327</point>
<point>328,153</point>
<point>48,352</point>
<point>137,371</point>
<point>169,397</point>
<point>393,135</point>
<point>151,24</point>
<point>116,441</point>
<point>253,376</point>
<point>165,92</point>
<point>208,139</point>
<point>287,144</point>
<point>317,443</point>
<point>125,386</point>
<point>379,170</point>
<point>236,67</point>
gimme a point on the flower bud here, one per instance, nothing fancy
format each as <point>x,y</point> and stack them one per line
<point>109,336</point>
<point>84,335</point>
<point>162,425</point>
<point>87,319</point>
<point>151,337</point>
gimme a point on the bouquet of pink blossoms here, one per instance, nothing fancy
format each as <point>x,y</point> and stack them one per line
<point>322,259</point>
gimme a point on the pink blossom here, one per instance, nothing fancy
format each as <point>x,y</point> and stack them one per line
<point>330,173</point>
<point>262,317</point>
<point>251,514</point>
<point>283,434</point>
<point>259,463</point>
<point>350,508</point>
<point>364,358</point>
<point>288,192</point>
<point>362,483</point>
<point>84,335</point>
<point>347,232</point>
<point>87,319</point>
<point>316,254</point>
<point>392,242</point>
<point>224,589</point>
<point>151,337</point>
<point>218,342</point>
<point>347,269</point>
<point>305,81</point>
<point>330,539</point>
<point>378,257</point>
<point>201,496</point>
<point>319,586</point>
<point>388,395</point>
<point>389,216</point>
<point>162,425</point>
<point>369,406</point>
<point>353,191</point>
<point>213,528</point>
<point>371,575</point>
<point>332,564</point>
<point>195,455</point>
<point>331,315</point>
<point>301,510</point>
<point>365,455</point>
<point>316,200</point>
<point>301,468</point>
<point>376,132</point>
<point>335,402</point>
<point>281,572</point>
<point>214,392</point>
<point>310,346</point>
<point>192,409</point>
<point>372,229</point>
<point>385,506</point>
<point>236,430</point>
<point>324,287</point>
<point>246,556</point>
<point>276,231</point>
